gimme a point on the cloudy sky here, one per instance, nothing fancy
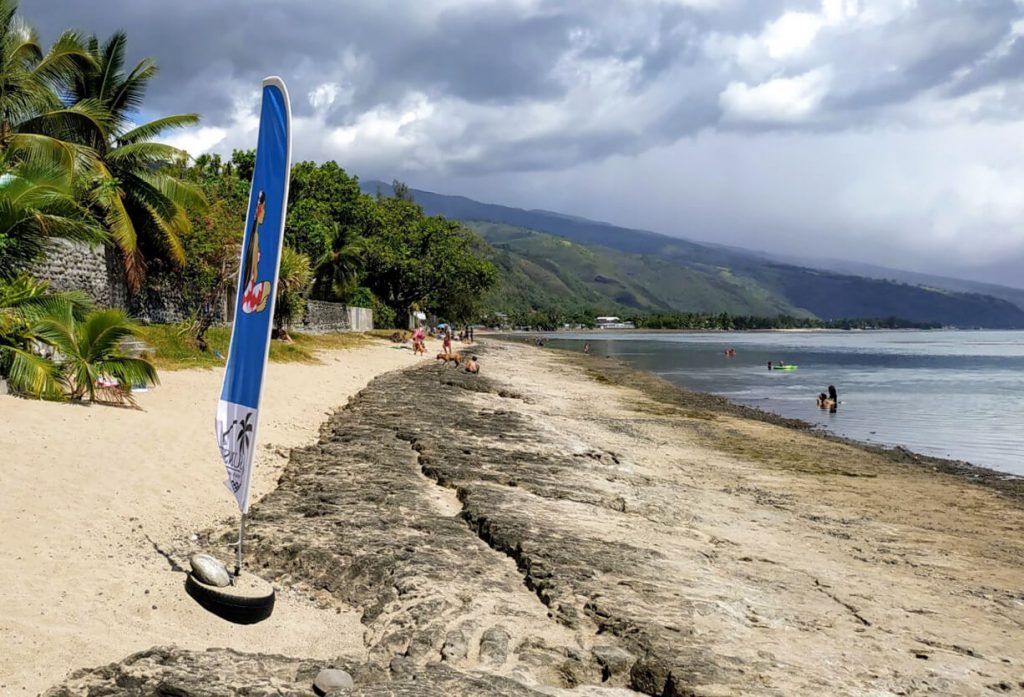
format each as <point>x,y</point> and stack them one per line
<point>886,131</point>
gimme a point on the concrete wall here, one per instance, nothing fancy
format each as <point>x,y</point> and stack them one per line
<point>360,319</point>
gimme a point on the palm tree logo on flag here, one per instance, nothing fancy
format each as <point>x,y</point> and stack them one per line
<point>234,458</point>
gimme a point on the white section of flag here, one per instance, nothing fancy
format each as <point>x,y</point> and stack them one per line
<point>236,431</point>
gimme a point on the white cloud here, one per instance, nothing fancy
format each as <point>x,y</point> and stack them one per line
<point>791,34</point>
<point>197,140</point>
<point>323,95</point>
<point>856,99</point>
<point>782,100</point>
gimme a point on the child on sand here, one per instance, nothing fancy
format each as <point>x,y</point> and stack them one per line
<point>418,338</point>
<point>472,366</point>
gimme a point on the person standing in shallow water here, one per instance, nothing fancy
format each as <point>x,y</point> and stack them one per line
<point>829,400</point>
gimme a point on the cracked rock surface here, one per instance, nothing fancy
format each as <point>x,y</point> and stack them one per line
<point>531,531</point>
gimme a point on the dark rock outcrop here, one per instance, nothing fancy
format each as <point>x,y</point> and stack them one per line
<point>370,515</point>
<point>173,672</point>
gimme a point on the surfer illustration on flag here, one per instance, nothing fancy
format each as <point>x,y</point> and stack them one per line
<point>256,292</point>
<point>238,409</point>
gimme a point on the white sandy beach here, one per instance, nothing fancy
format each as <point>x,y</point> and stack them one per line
<point>91,498</point>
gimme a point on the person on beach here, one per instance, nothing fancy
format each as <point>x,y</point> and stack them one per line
<point>446,344</point>
<point>418,346</point>
<point>586,348</point>
<point>472,366</point>
<point>471,339</point>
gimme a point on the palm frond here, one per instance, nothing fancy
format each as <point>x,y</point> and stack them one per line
<point>111,63</point>
<point>109,196</point>
<point>129,371</point>
<point>87,121</point>
<point>24,39</point>
<point>71,303</point>
<point>172,228</point>
<point>130,92</point>
<point>67,55</point>
<point>31,374</point>
<point>148,131</point>
<point>101,332</point>
<point>140,155</point>
<point>77,160</point>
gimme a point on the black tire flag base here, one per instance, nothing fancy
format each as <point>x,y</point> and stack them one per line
<point>250,600</point>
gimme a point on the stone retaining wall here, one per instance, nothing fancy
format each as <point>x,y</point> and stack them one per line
<point>96,271</point>
<point>91,270</point>
<point>324,317</point>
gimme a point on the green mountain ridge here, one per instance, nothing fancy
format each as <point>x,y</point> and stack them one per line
<point>550,260</point>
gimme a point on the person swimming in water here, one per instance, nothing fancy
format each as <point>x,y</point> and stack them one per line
<point>829,400</point>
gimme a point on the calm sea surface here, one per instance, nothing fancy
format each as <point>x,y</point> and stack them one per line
<point>947,393</point>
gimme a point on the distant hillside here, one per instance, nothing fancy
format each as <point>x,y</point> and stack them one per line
<point>1008,293</point>
<point>549,259</point>
<point>541,270</point>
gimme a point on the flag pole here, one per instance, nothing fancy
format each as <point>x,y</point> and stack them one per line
<point>237,419</point>
<point>241,540</point>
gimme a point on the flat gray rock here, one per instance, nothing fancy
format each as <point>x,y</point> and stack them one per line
<point>209,570</point>
<point>330,679</point>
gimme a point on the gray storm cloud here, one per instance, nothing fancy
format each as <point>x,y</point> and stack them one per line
<point>824,124</point>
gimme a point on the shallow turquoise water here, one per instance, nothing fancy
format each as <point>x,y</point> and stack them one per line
<point>945,393</point>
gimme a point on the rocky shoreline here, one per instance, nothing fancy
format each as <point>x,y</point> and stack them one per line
<point>546,529</point>
<point>617,372</point>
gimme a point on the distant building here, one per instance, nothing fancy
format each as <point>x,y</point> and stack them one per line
<point>612,323</point>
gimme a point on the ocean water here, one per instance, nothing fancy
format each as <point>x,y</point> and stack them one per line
<point>953,394</point>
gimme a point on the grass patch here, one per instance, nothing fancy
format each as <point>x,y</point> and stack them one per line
<point>304,346</point>
<point>175,350</point>
<point>386,334</point>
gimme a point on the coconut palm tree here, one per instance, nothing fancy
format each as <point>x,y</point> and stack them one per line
<point>337,270</point>
<point>22,361</point>
<point>33,119</point>
<point>89,352</point>
<point>142,204</point>
<point>293,281</point>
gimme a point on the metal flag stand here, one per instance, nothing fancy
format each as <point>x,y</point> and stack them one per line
<point>238,554</point>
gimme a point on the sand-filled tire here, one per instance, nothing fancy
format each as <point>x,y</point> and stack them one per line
<point>249,601</point>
